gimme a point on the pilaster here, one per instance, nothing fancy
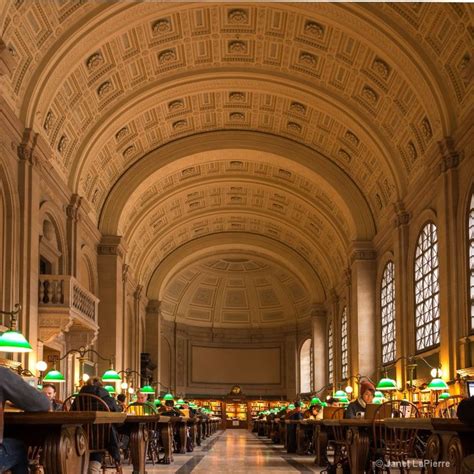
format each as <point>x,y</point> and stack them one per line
<point>153,335</point>
<point>319,336</point>
<point>72,219</point>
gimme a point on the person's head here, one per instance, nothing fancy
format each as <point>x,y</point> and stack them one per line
<point>95,381</point>
<point>315,409</point>
<point>332,402</point>
<point>49,390</point>
<point>169,403</point>
<point>298,406</point>
<point>185,405</point>
<point>142,397</point>
<point>367,391</point>
<point>121,398</point>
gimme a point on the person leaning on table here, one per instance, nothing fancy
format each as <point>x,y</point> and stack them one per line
<point>465,413</point>
<point>15,390</point>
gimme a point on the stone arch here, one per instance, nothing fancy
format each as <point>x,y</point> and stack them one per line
<point>323,171</point>
<point>199,247</point>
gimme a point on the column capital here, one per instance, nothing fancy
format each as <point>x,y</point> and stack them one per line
<point>362,250</point>
<point>402,216</point>
<point>450,157</point>
<point>333,296</point>
<point>72,209</point>
<point>153,307</point>
<point>111,245</point>
<point>27,146</point>
<point>137,294</point>
<point>318,311</point>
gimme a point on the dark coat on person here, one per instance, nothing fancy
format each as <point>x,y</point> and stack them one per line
<point>353,408</point>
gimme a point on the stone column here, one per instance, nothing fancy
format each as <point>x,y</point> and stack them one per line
<point>291,360</point>
<point>72,214</point>
<point>29,197</point>
<point>111,254</point>
<point>319,335</point>
<point>402,318</point>
<point>448,241</point>
<point>362,310</point>
<point>336,348</point>
<point>137,336</point>
<point>153,335</point>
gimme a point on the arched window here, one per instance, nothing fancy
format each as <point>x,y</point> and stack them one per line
<point>305,367</point>
<point>427,288</point>
<point>344,346</point>
<point>471,261</point>
<point>330,354</point>
<point>387,313</point>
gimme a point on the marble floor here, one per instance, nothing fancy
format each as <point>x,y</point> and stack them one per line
<point>236,452</point>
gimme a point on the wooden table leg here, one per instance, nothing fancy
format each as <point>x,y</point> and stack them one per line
<point>182,437</point>
<point>300,448</point>
<point>321,446</point>
<point>358,449</point>
<point>66,450</point>
<point>166,438</point>
<point>138,442</point>
<point>192,434</point>
<point>198,433</point>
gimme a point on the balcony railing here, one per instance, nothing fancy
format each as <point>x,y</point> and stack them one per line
<point>64,291</point>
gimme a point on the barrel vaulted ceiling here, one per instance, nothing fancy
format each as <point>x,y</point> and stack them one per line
<point>302,122</point>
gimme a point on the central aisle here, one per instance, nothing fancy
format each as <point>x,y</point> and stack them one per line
<point>239,451</point>
<point>236,452</point>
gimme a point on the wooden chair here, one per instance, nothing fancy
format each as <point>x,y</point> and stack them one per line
<point>338,442</point>
<point>448,408</point>
<point>394,444</point>
<point>100,436</point>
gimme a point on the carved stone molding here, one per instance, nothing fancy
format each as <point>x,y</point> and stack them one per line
<point>137,294</point>
<point>347,276</point>
<point>318,311</point>
<point>27,146</point>
<point>455,453</point>
<point>402,216</point>
<point>111,245</point>
<point>450,157</point>
<point>72,209</point>
<point>362,251</point>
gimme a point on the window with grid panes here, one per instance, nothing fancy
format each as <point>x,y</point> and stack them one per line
<point>330,354</point>
<point>305,367</point>
<point>344,347</point>
<point>387,313</point>
<point>427,288</point>
<point>471,261</point>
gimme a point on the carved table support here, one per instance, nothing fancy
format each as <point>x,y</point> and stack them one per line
<point>359,443</point>
<point>167,440</point>
<point>65,450</point>
<point>138,443</point>
<point>320,446</point>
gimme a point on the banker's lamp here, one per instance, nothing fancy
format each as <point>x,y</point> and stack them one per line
<point>12,340</point>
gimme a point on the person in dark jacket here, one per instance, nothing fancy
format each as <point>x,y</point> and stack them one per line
<point>50,391</point>
<point>356,409</point>
<point>94,387</point>
<point>14,389</point>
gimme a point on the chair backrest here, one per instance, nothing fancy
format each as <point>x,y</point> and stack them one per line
<point>328,413</point>
<point>99,435</point>
<point>137,408</point>
<point>448,408</point>
<point>394,444</point>
<point>85,402</point>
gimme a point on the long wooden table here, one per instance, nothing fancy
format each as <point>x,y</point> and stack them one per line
<point>61,436</point>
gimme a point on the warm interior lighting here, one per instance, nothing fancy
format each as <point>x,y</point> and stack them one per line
<point>124,385</point>
<point>436,373</point>
<point>131,390</point>
<point>85,377</point>
<point>41,365</point>
<point>349,389</point>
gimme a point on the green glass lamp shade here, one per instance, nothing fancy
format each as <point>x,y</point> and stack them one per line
<point>14,341</point>
<point>438,384</point>
<point>377,401</point>
<point>324,404</point>
<point>387,384</point>
<point>291,406</point>
<point>111,376</point>
<point>147,389</point>
<point>378,394</point>
<point>54,376</point>
<point>444,396</point>
<point>110,389</point>
<point>180,401</point>
<point>178,406</point>
<point>340,394</point>
<point>315,401</point>
<point>168,396</point>
<point>157,401</point>
<point>343,400</point>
